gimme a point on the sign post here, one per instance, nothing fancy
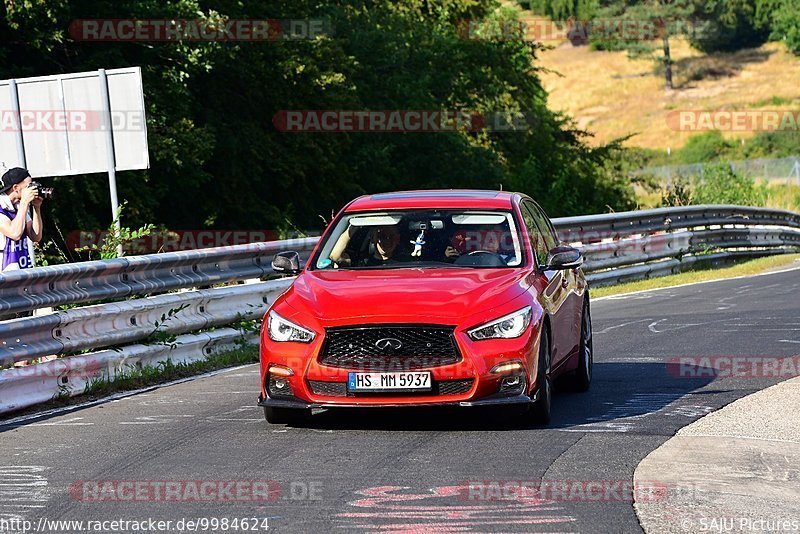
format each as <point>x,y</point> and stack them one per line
<point>108,125</point>
<point>12,87</point>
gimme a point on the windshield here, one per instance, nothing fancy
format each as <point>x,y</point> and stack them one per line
<point>422,238</point>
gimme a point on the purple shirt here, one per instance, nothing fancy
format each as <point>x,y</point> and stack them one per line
<point>15,253</point>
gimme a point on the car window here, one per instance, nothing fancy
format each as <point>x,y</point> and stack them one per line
<point>538,243</point>
<point>422,238</point>
<point>543,223</point>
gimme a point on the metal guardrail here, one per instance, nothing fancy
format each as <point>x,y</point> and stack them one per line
<point>22,387</point>
<point>76,283</point>
<point>177,300</point>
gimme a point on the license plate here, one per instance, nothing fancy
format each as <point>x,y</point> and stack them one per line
<point>389,381</point>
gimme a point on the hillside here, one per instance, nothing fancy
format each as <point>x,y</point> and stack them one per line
<point>613,96</point>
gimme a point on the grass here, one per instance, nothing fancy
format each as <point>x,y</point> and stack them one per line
<point>784,196</point>
<point>779,196</point>
<point>744,268</point>
<point>613,96</point>
<point>137,377</point>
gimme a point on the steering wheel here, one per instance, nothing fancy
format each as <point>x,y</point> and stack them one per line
<point>481,258</point>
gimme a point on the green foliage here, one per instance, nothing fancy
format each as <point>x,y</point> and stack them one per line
<point>677,193</point>
<point>708,147</point>
<point>704,147</point>
<point>781,19</point>
<point>655,22</point>
<point>727,25</point>
<point>719,185</point>
<point>159,336</point>
<point>772,145</point>
<point>138,376</point>
<point>563,10</point>
<point>710,25</point>
<point>113,239</point>
<point>47,252</point>
<point>218,161</point>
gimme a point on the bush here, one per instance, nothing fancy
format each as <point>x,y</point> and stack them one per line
<point>722,185</point>
<point>729,37</point>
<point>719,185</point>
<point>772,145</point>
<point>785,24</point>
<point>705,147</point>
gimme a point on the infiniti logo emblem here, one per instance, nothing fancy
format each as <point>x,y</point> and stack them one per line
<point>388,343</point>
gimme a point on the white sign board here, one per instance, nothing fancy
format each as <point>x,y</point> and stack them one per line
<point>64,123</point>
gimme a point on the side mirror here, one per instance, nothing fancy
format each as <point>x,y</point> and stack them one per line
<point>563,258</point>
<point>286,262</point>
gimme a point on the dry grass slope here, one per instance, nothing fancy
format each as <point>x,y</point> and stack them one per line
<point>613,96</point>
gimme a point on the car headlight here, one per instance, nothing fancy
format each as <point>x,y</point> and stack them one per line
<point>280,329</point>
<point>506,327</point>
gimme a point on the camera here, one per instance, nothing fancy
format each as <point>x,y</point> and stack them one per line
<point>44,192</point>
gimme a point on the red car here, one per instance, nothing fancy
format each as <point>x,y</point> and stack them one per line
<point>441,297</point>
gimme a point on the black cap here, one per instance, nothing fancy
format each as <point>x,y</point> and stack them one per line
<point>13,177</point>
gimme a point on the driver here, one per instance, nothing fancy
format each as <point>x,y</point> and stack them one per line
<point>384,241</point>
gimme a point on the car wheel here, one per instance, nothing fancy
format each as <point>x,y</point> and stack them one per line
<point>285,416</point>
<point>583,375</point>
<point>539,412</point>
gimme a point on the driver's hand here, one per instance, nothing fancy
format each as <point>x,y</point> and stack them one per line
<point>451,252</point>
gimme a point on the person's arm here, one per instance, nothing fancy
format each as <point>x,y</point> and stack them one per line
<point>15,229</point>
<point>35,224</point>
<point>341,244</point>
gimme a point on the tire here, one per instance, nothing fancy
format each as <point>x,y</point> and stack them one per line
<point>285,416</point>
<point>539,412</point>
<point>583,375</point>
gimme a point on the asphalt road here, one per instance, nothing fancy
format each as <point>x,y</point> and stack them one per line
<point>398,471</point>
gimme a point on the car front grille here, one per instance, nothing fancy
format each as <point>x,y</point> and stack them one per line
<point>339,389</point>
<point>328,389</point>
<point>389,348</point>
<point>454,387</point>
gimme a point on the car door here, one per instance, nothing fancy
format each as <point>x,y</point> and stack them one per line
<point>554,296</point>
<point>560,291</point>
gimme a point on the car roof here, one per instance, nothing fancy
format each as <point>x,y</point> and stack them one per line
<point>435,198</point>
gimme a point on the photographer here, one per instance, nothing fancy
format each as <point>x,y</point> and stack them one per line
<point>16,223</point>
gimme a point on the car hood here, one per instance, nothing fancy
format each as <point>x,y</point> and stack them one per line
<point>403,294</point>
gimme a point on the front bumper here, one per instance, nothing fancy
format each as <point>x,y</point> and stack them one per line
<point>487,401</point>
<point>314,384</point>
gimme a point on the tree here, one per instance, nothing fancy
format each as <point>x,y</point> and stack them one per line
<point>219,162</point>
<point>782,19</point>
<point>727,25</point>
<point>645,29</point>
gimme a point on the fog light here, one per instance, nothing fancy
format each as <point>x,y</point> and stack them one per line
<point>512,384</point>
<point>279,386</point>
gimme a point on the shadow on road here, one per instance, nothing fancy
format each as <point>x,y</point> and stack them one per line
<point>620,391</point>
